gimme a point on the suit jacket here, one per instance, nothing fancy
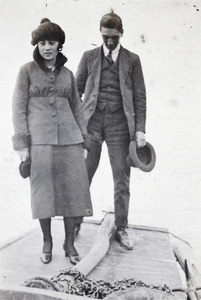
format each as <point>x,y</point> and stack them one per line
<point>131,85</point>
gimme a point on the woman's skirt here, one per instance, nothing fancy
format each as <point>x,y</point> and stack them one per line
<point>59,182</point>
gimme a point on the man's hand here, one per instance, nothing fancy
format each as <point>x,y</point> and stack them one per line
<point>140,139</point>
<point>23,154</point>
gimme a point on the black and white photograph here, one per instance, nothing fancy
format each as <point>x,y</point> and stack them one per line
<point>100,153</point>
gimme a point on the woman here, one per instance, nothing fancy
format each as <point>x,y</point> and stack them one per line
<point>49,130</point>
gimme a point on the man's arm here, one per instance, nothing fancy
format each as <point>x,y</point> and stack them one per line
<point>82,74</point>
<point>78,112</point>
<point>139,96</point>
<point>139,103</point>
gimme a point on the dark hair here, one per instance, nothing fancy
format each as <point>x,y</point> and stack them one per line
<point>48,31</point>
<point>111,20</point>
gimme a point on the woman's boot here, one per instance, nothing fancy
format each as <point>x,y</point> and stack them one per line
<point>46,255</point>
<point>69,248</point>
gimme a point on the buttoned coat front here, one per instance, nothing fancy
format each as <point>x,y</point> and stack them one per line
<point>131,85</point>
<point>46,108</point>
<point>48,119</point>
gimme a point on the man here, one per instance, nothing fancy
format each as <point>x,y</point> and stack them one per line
<point>111,79</point>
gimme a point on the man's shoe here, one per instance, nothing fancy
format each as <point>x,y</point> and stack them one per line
<point>123,238</point>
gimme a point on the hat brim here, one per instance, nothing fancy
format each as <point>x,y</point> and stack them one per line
<point>143,158</point>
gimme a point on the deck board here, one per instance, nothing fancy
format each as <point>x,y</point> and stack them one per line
<point>151,261</point>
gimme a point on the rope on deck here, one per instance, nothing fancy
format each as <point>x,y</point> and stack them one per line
<point>83,286</point>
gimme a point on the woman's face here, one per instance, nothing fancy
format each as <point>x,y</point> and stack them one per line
<point>48,49</point>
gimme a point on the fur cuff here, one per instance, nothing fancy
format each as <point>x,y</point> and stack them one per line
<point>21,141</point>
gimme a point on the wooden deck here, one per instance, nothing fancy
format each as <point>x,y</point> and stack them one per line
<point>152,260</point>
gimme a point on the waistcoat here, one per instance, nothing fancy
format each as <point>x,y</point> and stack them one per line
<point>109,90</point>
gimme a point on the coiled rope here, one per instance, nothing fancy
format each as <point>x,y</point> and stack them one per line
<point>89,287</point>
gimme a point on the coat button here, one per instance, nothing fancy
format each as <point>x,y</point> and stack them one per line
<point>53,115</point>
<point>51,89</point>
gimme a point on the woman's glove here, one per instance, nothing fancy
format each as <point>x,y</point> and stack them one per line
<point>85,153</point>
<point>23,154</point>
<point>87,142</point>
<point>140,139</point>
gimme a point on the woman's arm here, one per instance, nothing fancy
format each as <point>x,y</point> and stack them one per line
<point>21,138</point>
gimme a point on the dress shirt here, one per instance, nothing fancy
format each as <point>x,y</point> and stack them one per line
<point>115,52</point>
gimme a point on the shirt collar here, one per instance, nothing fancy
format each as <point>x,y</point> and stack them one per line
<point>115,52</point>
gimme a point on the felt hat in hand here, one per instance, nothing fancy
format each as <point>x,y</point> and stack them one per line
<point>143,158</point>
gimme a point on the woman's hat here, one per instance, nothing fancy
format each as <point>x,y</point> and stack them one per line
<point>143,158</point>
<point>48,31</point>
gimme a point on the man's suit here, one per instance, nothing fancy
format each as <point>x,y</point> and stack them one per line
<point>116,129</point>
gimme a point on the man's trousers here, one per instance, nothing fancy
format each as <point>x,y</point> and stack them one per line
<point>113,129</point>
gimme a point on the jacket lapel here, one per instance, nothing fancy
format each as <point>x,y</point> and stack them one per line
<point>95,61</point>
<point>124,66</point>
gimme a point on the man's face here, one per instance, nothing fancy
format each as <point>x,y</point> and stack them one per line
<point>110,37</point>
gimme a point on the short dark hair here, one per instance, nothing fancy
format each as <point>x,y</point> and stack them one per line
<point>111,20</point>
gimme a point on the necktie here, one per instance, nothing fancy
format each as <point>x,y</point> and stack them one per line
<point>109,57</point>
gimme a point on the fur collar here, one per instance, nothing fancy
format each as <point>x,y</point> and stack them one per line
<point>60,61</point>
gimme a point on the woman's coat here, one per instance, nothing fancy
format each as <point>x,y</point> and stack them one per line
<point>46,108</point>
<point>48,119</point>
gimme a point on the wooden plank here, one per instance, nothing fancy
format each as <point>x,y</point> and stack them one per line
<point>100,246</point>
<point>151,261</point>
<point>97,252</point>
